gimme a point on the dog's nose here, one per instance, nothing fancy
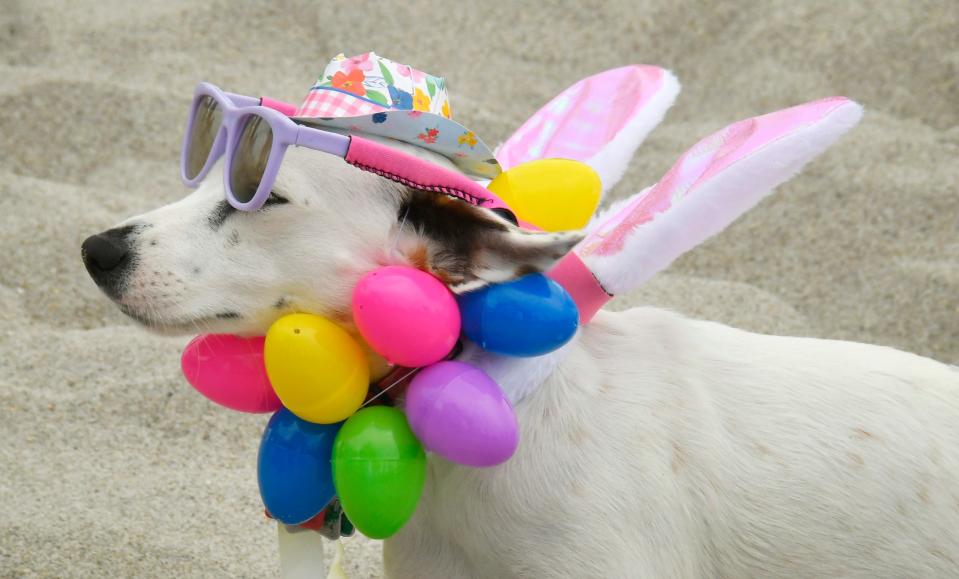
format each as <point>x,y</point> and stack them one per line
<point>103,251</point>
<point>106,256</point>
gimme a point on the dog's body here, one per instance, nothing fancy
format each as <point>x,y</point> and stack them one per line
<point>658,447</point>
<point>666,447</point>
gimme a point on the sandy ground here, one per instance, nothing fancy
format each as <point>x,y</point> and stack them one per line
<point>110,465</point>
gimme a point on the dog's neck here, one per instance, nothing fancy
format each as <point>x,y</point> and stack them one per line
<point>517,377</point>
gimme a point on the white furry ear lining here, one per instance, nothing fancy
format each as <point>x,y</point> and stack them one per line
<point>711,185</point>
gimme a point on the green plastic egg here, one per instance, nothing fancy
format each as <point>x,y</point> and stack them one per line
<point>378,468</point>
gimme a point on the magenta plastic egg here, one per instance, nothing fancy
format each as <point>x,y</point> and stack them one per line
<point>461,414</point>
<point>406,315</point>
<point>229,370</point>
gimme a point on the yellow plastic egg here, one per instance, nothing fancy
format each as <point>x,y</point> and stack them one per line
<point>317,369</point>
<point>554,194</point>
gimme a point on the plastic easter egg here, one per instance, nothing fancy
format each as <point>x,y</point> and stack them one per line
<point>229,370</point>
<point>317,369</point>
<point>379,469</point>
<point>293,467</point>
<point>554,194</point>
<point>529,316</point>
<point>461,414</point>
<point>407,315</point>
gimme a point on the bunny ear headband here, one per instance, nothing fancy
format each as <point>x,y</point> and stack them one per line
<point>600,121</point>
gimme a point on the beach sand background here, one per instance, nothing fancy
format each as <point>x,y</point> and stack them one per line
<point>111,465</point>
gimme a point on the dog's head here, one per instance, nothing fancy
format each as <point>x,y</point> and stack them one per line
<point>198,265</point>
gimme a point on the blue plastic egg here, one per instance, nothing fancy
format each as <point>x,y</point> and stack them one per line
<point>529,316</point>
<point>293,467</point>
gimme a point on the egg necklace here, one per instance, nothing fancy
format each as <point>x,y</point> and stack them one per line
<point>328,439</point>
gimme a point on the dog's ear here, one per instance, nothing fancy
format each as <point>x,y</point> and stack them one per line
<point>469,247</point>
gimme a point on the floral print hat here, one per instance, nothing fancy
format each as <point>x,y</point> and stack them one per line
<point>373,95</point>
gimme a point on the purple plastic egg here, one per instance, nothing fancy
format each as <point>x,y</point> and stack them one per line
<point>461,414</point>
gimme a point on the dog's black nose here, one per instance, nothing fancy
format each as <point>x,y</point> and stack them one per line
<point>103,251</point>
<point>107,256</point>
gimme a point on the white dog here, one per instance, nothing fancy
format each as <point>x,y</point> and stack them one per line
<point>652,445</point>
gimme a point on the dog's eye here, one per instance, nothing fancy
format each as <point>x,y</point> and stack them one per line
<point>275,199</point>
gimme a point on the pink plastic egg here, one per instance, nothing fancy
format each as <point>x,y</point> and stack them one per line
<point>406,315</point>
<point>229,370</point>
<point>461,414</point>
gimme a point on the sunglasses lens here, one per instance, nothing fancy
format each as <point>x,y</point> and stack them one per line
<point>250,158</point>
<point>206,124</point>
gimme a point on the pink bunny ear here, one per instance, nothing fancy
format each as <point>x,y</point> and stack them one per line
<point>711,185</point>
<point>600,120</point>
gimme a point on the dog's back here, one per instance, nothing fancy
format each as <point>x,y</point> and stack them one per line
<point>668,447</point>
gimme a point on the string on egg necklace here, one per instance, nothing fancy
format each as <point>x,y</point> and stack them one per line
<point>388,388</point>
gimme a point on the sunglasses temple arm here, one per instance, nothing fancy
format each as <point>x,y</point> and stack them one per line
<point>319,140</point>
<point>285,108</point>
<point>401,167</point>
<point>240,100</point>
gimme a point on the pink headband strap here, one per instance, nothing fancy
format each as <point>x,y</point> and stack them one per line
<point>571,273</point>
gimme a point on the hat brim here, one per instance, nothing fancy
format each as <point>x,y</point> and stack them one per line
<point>422,129</point>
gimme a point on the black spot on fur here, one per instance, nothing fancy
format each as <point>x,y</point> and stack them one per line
<point>274,199</point>
<point>455,227</point>
<point>219,214</point>
<point>234,238</point>
<point>228,315</point>
<point>466,243</point>
<point>281,304</point>
<point>525,269</point>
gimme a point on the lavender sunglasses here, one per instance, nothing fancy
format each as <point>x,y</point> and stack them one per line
<point>255,133</point>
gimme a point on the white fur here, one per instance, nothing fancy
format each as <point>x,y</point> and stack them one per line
<point>613,159</point>
<point>665,447</point>
<point>340,223</point>
<point>659,447</point>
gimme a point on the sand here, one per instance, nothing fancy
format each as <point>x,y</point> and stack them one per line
<point>110,465</point>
